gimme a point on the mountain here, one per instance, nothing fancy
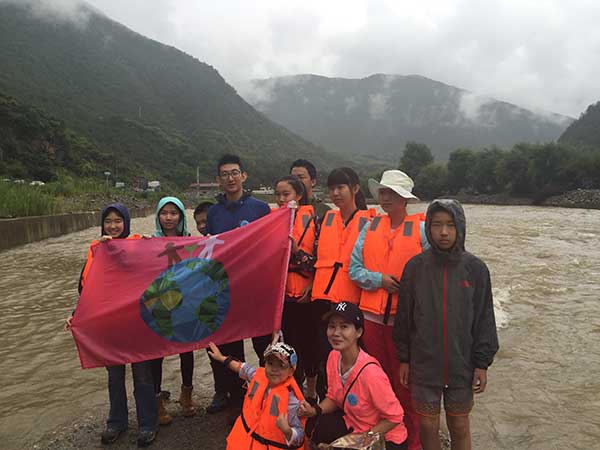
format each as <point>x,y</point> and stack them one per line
<point>380,113</point>
<point>147,107</point>
<point>585,130</point>
<point>37,146</point>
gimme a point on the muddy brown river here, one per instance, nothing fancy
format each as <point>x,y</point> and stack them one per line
<point>544,387</point>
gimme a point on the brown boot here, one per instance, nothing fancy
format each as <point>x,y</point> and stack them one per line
<point>185,399</point>
<point>163,416</point>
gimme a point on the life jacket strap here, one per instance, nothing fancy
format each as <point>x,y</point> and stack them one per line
<point>388,309</point>
<point>306,227</point>
<point>336,267</point>
<point>264,441</point>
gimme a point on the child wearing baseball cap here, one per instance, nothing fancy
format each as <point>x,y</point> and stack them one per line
<point>270,411</point>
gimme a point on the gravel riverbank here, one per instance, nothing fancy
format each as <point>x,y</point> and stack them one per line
<point>579,198</point>
<point>204,431</point>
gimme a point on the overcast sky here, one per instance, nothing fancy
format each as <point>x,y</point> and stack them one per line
<point>539,54</point>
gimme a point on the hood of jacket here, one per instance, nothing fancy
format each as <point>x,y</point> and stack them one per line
<point>455,209</point>
<point>181,226</point>
<point>122,211</point>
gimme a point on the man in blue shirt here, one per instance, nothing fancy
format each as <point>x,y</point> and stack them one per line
<point>233,209</point>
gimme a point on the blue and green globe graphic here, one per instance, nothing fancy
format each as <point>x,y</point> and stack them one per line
<point>188,301</point>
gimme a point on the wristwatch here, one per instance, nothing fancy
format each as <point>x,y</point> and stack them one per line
<point>318,410</point>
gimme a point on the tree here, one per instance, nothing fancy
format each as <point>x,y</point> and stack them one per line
<point>546,165</point>
<point>483,175</point>
<point>414,158</point>
<point>431,181</point>
<point>461,166</point>
<point>364,182</point>
<point>582,168</point>
<point>512,171</point>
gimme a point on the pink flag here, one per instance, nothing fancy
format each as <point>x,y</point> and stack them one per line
<point>148,298</point>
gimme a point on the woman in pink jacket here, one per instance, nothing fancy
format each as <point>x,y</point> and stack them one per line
<point>359,398</point>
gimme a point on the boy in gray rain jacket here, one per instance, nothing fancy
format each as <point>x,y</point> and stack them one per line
<point>445,330</point>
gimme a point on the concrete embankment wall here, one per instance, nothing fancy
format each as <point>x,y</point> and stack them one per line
<point>23,230</point>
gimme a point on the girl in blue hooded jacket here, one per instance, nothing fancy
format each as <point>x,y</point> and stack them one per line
<point>115,224</point>
<point>171,222</point>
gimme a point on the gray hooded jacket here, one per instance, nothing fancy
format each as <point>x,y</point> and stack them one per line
<point>445,325</point>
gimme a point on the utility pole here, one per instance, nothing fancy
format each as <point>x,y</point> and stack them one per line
<point>115,171</point>
<point>198,180</point>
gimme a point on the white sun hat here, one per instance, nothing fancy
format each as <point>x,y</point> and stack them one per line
<point>397,181</point>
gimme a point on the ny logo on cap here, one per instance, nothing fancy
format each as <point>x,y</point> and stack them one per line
<point>341,307</point>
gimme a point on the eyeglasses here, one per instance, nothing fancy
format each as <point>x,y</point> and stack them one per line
<point>233,174</point>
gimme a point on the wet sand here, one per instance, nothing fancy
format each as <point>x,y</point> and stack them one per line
<point>204,431</point>
<point>201,432</point>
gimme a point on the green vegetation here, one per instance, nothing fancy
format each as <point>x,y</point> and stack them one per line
<point>79,100</point>
<point>19,200</point>
<point>113,100</point>
<point>36,146</point>
<point>585,130</point>
<point>415,157</point>
<point>536,171</point>
<point>71,194</point>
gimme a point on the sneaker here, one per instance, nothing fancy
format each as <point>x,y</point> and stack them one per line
<point>110,435</point>
<point>166,395</point>
<point>219,402</point>
<point>145,438</point>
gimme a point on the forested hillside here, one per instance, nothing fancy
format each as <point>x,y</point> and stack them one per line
<point>585,130</point>
<point>147,108</point>
<point>379,114</point>
<point>36,146</point>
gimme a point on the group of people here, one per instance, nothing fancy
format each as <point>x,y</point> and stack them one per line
<point>384,315</point>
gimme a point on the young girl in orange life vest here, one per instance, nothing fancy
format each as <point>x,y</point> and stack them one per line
<point>269,417</point>
<point>332,284</point>
<point>296,309</point>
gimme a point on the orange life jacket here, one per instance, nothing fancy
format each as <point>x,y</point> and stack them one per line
<point>387,252</point>
<point>304,232</point>
<point>255,428</point>
<point>90,257</point>
<point>332,281</point>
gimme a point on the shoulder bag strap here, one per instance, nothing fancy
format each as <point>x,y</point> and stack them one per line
<point>354,381</point>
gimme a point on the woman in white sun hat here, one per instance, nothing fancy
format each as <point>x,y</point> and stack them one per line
<point>382,249</point>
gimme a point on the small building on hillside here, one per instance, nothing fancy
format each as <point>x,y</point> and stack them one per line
<point>263,190</point>
<point>154,185</point>
<point>206,189</point>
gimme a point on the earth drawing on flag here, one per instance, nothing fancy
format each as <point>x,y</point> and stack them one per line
<point>188,301</point>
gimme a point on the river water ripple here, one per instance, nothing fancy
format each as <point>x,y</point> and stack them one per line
<point>543,392</point>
